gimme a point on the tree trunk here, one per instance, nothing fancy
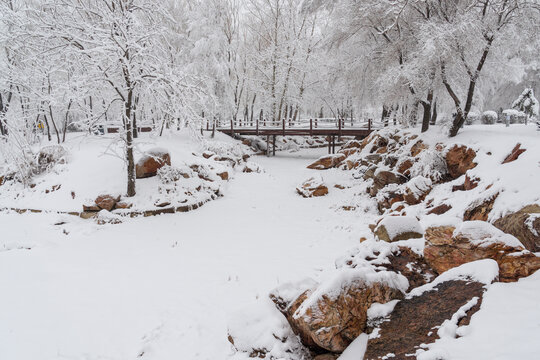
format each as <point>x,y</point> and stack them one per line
<point>434,114</point>
<point>427,111</point>
<point>129,146</point>
<point>135,129</point>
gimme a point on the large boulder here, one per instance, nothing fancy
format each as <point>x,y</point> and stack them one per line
<point>417,189</point>
<point>432,311</point>
<point>152,160</point>
<point>459,159</point>
<point>396,228</point>
<point>335,313</point>
<point>313,187</point>
<point>448,247</point>
<point>524,225</point>
<point>327,162</point>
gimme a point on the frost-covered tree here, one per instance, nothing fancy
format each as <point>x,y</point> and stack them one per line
<point>527,104</point>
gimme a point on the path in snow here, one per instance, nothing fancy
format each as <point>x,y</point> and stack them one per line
<point>162,287</point>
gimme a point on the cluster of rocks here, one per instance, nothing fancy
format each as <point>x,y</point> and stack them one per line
<point>180,188</point>
<point>406,286</point>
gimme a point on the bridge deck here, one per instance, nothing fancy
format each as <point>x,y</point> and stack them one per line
<point>296,132</point>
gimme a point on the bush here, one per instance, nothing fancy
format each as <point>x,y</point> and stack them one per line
<point>472,118</point>
<point>489,117</point>
<point>515,116</point>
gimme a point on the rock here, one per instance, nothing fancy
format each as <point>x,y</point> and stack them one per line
<point>124,205</point>
<point>312,187</point>
<point>459,159</point>
<point>418,147</point>
<point>469,184</point>
<point>524,225</point>
<point>251,167</point>
<point>382,178</point>
<point>447,302</point>
<point>417,189</point>
<point>439,210</point>
<point>414,267</point>
<point>447,248</point>
<point>224,175</point>
<point>480,208</point>
<point>335,313</point>
<point>516,151</point>
<point>153,160</point>
<point>404,166</point>
<point>327,162</point>
<point>208,154</point>
<point>396,228</point>
<point>91,208</point>
<point>352,144</point>
<point>107,202</point>
<point>326,357</point>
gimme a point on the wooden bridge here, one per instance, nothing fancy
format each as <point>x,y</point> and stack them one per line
<point>330,128</point>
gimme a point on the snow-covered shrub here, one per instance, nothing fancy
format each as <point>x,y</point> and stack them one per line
<point>49,156</point>
<point>430,164</point>
<point>170,174</point>
<point>472,118</point>
<point>515,116</point>
<point>489,117</point>
<point>20,161</point>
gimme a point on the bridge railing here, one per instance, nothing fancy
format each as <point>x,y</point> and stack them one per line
<point>305,123</point>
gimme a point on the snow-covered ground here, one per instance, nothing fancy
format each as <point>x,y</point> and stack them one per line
<point>164,287</point>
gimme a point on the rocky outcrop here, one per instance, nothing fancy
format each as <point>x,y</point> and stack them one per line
<point>440,209</point>
<point>524,225</point>
<point>447,247</point>
<point>327,162</point>
<point>442,305</point>
<point>459,159</point>
<point>382,178</point>
<point>334,314</point>
<point>418,147</point>
<point>312,187</point>
<point>154,159</point>
<point>396,228</point>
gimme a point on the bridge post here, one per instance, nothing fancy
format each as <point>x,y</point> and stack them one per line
<point>267,145</point>
<point>310,127</point>
<point>214,127</point>
<point>284,124</point>
<point>232,127</point>
<point>257,127</point>
<point>369,125</point>
<point>274,145</point>
<point>339,129</point>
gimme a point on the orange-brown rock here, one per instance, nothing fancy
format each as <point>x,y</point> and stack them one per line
<point>396,228</point>
<point>439,210</point>
<point>353,144</point>
<point>414,267</point>
<point>224,175</point>
<point>446,248</point>
<point>459,159</point>
<point>469,184</point>
<point>149,164</point>
<point>404,166</point>
<point>480,209</point>
<point>516,151</point>
<point>418,147</point>
<point>107,202</point>
<point>383,178</point>
<point>327,162</point>
<point>524,225</point>
<point>414,320</point>
<point>334,319</point>
<point>312,187</point>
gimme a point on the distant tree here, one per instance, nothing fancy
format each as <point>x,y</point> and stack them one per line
<point>527,104</point>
